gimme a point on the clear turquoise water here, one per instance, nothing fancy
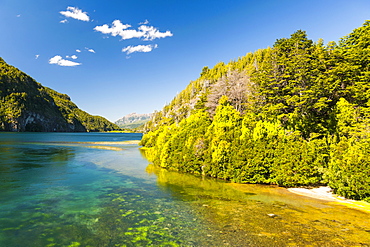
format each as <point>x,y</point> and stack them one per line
<point>93,189</point>
<point>56,191</point>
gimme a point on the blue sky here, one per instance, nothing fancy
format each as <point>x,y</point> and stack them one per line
<point>117,57</point>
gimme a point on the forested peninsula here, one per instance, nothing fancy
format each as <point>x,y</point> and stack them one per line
<point>26,105</point>
<point>294,114</point>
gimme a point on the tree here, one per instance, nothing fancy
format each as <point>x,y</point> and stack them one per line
<point>238,88</point>
<point>221,133</point>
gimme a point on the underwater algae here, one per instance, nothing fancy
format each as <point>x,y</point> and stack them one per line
<point>263,215</point>
<point>68,194</point>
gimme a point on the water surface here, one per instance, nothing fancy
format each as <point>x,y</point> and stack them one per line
<point>95,189</point>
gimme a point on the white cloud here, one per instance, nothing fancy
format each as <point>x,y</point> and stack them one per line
<point>37,56</point>
<point>73,57</point>
<point>144,23</point>
<point>18,15</point>
<point>78,50</point>
<point>90,50</point>
<point>153,33</point>
<point>62,62</point>
<point>116,29</point>
<point>75,13</point>
<point>64,21</point>
<point>139,48</point>
<point>145,32</point>
<point>130,34</point>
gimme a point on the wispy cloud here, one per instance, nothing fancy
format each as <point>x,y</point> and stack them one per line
<point>62,62</point>
<point>78,50</point>
<point>37,56</point>
<point>116,29</point>
<point>144,31</point>
<point>90,50</point>
<point>64,21</point>
<point>144,22</point>
<point>75,13</point>
<point>73,57</point>
<point>139,48</point>
<point>151,33</point>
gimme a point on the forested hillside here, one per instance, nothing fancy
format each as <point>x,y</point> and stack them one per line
<point>295,114</point>
<point>26,105</point>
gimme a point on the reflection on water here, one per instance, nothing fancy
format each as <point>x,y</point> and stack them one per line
<point>260,215</point>
<point>96,189</point>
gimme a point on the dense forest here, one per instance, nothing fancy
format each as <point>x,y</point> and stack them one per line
<point>294,114</point>
<point>26,105</point>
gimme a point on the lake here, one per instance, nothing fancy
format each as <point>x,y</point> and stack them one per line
<point>97,189</point>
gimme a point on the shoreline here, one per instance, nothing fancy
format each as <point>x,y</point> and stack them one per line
<point>322,193</point>
<point>326,194</point>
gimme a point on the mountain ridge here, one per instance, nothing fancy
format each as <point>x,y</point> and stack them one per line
<point>133,120</point>
<point>26,105</point>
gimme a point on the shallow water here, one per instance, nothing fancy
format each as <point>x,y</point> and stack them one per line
<point>95,189</point>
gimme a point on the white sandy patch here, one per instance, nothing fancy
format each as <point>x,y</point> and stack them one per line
<point>323,193</point>
<point>326,193</point>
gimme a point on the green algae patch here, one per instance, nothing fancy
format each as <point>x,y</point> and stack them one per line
<point>264,215</point>
<point>62,196</point>
<point>359,205</point>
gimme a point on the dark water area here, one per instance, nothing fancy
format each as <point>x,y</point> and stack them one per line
<point>97,189</point>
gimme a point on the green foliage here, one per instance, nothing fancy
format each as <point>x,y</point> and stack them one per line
<point>355,74</point>
<point>28,106</point>
<point>349,168</point>
<point>229,147</point>
<point>296,114</point>
<point>347,117</point>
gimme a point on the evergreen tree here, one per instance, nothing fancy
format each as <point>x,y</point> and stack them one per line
<point>295,114</point>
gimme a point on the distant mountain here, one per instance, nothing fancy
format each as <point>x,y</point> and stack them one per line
<point>26,105</point>
<point>133,120</point>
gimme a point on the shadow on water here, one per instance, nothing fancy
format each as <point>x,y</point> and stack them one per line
<point>22,165</point>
